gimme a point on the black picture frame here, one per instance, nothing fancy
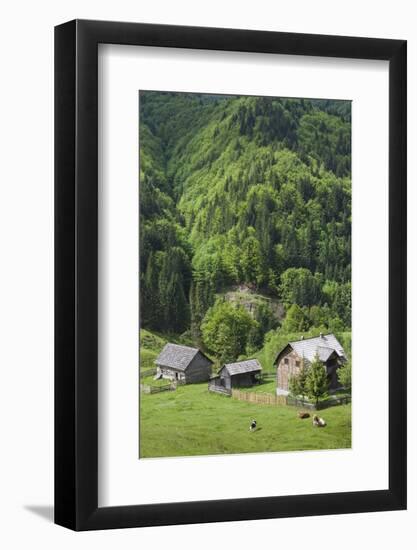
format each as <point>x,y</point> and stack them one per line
<point>76,272</point>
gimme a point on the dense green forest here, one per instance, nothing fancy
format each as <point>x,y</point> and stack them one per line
<point>248,194</point>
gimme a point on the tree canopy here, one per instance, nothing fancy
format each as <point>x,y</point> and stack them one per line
<point>226,329</point>
<point>251,191</point>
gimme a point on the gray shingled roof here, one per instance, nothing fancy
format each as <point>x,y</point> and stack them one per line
<point>324,353</point>
<point>176,357</point>
<point>323,346</point>
<point>251,365</point>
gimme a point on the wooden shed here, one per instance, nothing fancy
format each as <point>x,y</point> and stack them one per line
<point>243,373</point>
<point>301,353</point>
<point>183,363</point>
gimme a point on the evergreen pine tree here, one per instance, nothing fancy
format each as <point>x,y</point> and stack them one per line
<point>344,375</point>
<point>298,383</point>
<point>316,380</point>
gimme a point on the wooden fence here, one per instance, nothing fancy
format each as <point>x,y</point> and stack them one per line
<point>147,388</point>
<point>335,400</point>
<point>270,399</point>
<point>330,402</point>
<point>147,372</point>
<point>259,398</point>
<point>215,385</point>
<point>267,376</point>
<point>219,389</point>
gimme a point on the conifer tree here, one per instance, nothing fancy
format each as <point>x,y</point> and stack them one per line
<point>344,375</point>
<point>316,381</point>
<point>298,382</point>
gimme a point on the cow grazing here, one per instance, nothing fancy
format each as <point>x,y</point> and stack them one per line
<point>318,421</point>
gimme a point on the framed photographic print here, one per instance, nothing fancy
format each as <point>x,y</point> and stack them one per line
<point>230,275</point>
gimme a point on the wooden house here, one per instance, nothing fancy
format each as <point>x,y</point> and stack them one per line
<point>295,355</point>
<point>183,363</point>
<point>243,374</point>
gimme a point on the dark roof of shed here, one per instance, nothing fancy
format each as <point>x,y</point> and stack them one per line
<point>177,357</point>
<point>241,367</point>
<point>323,346</point>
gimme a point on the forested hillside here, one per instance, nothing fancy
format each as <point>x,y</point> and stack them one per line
<point>244,193</point>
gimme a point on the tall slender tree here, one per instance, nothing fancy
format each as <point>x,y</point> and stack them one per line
<point>317,384</point>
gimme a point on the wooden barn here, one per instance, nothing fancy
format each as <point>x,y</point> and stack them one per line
<point>183,363</point>
<point>302,352</point>
<point>243,374</point>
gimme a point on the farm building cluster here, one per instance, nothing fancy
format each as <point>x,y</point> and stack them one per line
<point>189,365</point>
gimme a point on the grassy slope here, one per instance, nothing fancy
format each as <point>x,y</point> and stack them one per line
<point>192,421</point>
<point>269,386</point>
<point>150,346</point>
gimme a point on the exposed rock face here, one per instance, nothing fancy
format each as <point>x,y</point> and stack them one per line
<point>247,297</point>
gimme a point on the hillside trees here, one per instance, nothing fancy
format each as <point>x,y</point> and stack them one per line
<point>295,320</point>
<point>327,138</point>
<point>201,298</point>
<point>299,286</point>
<point>164,290</point>
<point>251,261</point>
<point>225,330</point>
<point>265,321</point>
<point>244,191</point>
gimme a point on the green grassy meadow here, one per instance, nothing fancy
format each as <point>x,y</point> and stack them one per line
<point>269,386</point>
<point>193,421</point>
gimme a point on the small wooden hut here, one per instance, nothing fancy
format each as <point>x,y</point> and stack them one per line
<point>183,363</point>
<point>240,374</point>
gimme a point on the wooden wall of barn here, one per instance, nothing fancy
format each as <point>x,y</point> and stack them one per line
<point>288,369</point>
<point>199,370</point>
<point>226,379</point>
<point>169,373</point>
<point>331,368</point>
<point>245,379</point>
